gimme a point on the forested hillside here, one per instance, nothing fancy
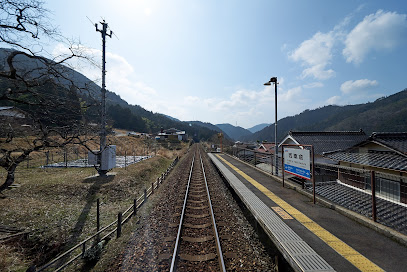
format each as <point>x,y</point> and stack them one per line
<point>236,133</point>
<point>386,114</point>
<point>119,112</point>
<point>258,127</point>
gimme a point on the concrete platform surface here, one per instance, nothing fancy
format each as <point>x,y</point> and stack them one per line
<point>343,243</point>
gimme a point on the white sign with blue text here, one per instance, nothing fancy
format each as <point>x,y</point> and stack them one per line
<point>297,162</point>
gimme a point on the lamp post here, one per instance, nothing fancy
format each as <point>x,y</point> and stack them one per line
<point>274,80</point>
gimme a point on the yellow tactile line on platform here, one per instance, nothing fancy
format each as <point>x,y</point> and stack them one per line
<point>354,257</point>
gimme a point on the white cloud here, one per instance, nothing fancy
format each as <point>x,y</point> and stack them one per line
<point>290,95</point>
<point>334,100</point>
<point>316,50</point>
<point>120,75</point>
<point>318,72</point>
<point>191,99</point>
<point>351,87</point>
<point>313,85</point>
<point>379,31</point>
<point>239,99</point>
<point>316,54</point>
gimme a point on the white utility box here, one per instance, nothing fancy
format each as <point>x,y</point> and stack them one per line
<point>108,158</point>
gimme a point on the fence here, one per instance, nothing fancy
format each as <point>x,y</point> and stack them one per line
<point>262,160</point>
<point>377,195</point>
<point>107,231</point>
<point>77,157</point>
<point>62,156</point>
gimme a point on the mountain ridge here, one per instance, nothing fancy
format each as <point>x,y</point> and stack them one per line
<point>386,114</point>
<point>235,132</point>
<point>137,118</point>
<point>258,127</point>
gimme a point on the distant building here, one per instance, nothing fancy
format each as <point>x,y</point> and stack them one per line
<point>14,119</point>
<point>245,145</point>
<point>171,134</point>
<point>12,112</point>
<point>266,148</point>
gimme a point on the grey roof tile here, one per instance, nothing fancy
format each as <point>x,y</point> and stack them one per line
<point>395,140</point>
<point>328,141</point>
<point>388,160</point>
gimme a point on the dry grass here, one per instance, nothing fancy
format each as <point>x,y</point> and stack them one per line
<point>58,205</point>
<point>10,259</point>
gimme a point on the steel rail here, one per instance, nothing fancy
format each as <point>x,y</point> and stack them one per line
<point>180,227</point>
<point>177,242</point>
<point>215,229</point>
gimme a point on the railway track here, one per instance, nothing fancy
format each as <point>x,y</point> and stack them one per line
<point>197,245</point>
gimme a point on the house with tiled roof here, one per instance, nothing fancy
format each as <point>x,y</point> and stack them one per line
<point>385,152</point>
<point>324,141</point>
<point>266,148</point>
<point>15,119</point>
<point>11,112</point>
<point>171,134</point>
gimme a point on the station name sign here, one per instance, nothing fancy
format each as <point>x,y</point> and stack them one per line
<point>297,162</point>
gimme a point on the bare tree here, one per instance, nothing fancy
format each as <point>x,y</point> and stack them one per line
<point>44,105</point>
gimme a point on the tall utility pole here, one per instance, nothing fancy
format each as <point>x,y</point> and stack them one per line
<point>104,33</point>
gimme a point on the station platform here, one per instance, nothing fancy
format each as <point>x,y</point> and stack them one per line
<point>311,237</point>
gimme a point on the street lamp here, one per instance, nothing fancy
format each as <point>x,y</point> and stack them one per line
<point>274,80</point>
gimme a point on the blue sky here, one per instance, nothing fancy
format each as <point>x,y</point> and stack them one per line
<point>208,60</point>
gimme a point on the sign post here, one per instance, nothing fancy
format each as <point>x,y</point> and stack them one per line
<point>297,162</point>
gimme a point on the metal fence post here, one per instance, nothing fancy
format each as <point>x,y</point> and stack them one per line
<point>282,164</point>
<point>313,174</point>
<point>119,224</point>
<point>152,188</point>
<point>98,218</point>
<point>373,185</point>
<point>273,171</point>
<point>145,195</point>
<point>276,264</point>
<point>83,249</point>
<point>66,157</point>
<point>135,207</point>
<point>125,159</point>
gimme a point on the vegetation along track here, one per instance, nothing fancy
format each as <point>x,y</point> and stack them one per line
<point>151,245</point>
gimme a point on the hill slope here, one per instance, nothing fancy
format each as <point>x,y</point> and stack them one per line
<point>258,127</point>
<point>384,115</point>
<point>121,114</point>
<point>236,133</point>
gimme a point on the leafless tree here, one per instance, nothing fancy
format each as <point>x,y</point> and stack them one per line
<point>47,105</point>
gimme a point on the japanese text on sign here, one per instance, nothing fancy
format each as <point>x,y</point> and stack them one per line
<point>297,162</point>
